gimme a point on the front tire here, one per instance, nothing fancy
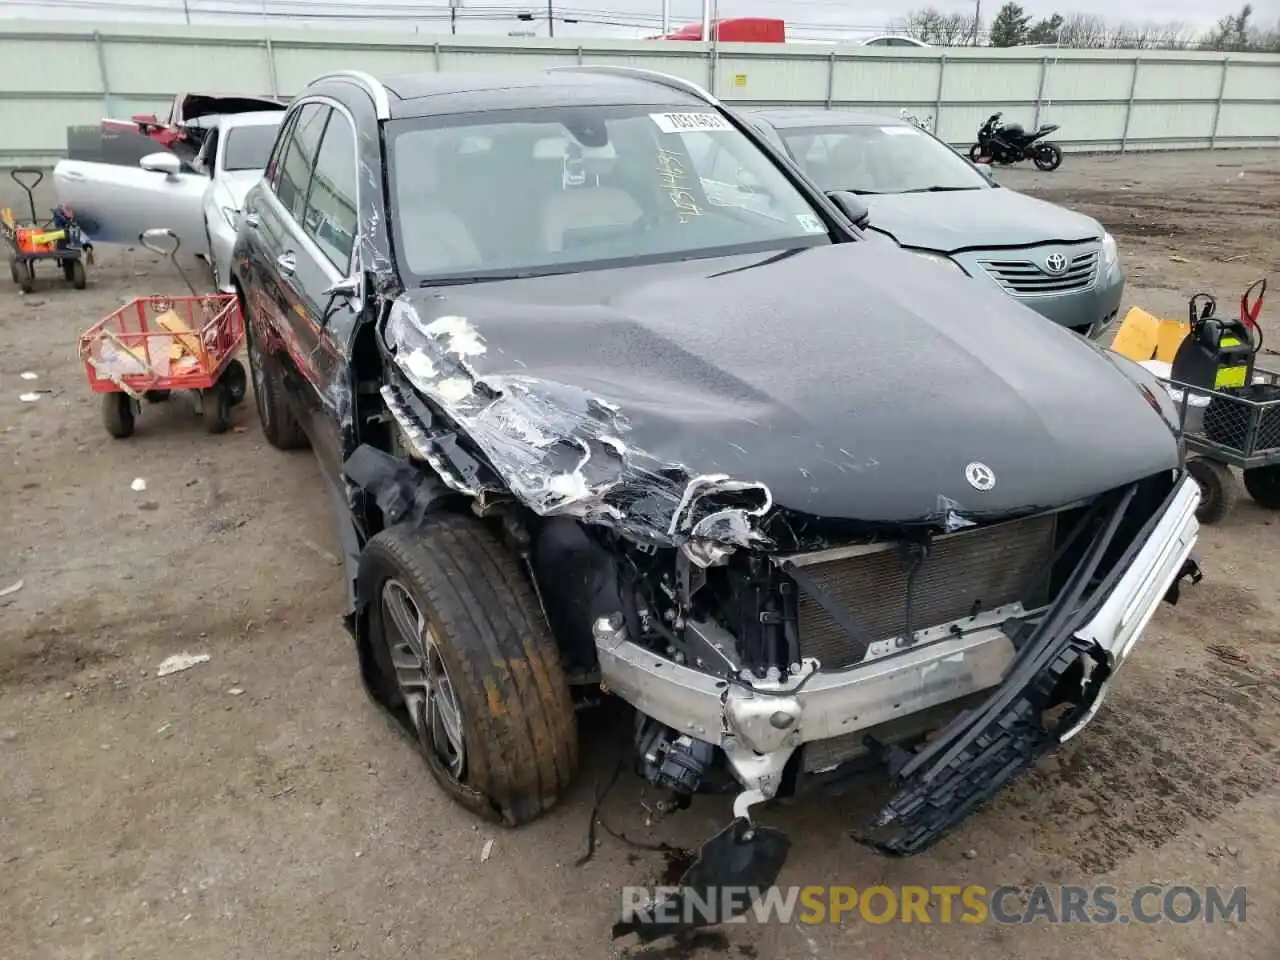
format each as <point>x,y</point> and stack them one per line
<point>469,666</point>
<point>1219,491</point>
<point>76,274</point>
<point>1047,157</point>
<point>236,381</point>
<point>215,407</point>
<point>975,153</point>
<point>117,415</point>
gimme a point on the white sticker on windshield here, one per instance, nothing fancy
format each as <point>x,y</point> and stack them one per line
<point>810,224</point>
<point>898,131</point>
<point>686,122</point>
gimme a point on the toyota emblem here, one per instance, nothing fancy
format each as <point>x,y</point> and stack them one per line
<point>1055,263</point>
<point>980,476</point>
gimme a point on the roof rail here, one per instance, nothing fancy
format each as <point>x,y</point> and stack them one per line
<point>640,73</point>
<point>371,86</point>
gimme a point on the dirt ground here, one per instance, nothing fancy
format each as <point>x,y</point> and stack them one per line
<point>257,805</point>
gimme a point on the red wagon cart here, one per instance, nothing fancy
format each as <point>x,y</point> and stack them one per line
<point>154,345</point>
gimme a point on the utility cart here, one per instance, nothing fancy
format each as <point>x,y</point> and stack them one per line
<point>58,239</point>
<point>154,345</point>
<point>1237,429</point>
<point>1228,406</point>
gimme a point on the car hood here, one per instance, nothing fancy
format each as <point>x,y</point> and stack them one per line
<point>853,380</point>
<point>960,219</point>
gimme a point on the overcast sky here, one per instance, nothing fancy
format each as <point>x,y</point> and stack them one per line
<point>828,19</point>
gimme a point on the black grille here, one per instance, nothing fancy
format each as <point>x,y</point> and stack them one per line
<point>965,573</point>
<point>1024,278</point>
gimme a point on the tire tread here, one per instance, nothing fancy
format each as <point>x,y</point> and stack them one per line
<point>504,665</point>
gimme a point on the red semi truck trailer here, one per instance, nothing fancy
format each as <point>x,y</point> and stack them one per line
<point>735,30</point>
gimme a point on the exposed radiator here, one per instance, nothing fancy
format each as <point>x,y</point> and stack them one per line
<point>965,573</point>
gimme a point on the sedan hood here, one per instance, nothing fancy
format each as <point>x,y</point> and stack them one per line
<point>854,381</point>
<point>965,219</point>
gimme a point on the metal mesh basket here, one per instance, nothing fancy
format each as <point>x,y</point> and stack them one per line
<point>1240,426</point>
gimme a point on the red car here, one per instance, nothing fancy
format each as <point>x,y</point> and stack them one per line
<point>181,130</point>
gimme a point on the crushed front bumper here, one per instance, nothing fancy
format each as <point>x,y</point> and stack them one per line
<point>984,748</point>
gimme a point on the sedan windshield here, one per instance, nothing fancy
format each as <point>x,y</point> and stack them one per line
<point>549,190</point>
<point>869,158</point>
<point>248,147</point>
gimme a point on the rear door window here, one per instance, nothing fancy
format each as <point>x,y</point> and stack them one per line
<point>300,157</point>
<point>274,164</point>
<point>330,217</point>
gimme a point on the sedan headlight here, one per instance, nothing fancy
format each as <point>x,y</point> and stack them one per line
<point>1109,252</point>
<point>232,216</point>
<point>940,259</point>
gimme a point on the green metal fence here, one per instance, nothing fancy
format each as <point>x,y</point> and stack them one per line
<point>53,77</point>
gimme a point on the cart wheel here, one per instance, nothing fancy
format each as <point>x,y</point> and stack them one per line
<point>27,276</point>
<point>1263,484</point>
<point>14,270</point>
<point>1219,490</point>
<point>74,270</point>
<point>236,380</point>
<point>117,414</point>
<point>215,407</point>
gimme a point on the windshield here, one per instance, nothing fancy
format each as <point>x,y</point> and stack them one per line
<point>522,192</point>
<point>248,147</point>
<point>894,158</point>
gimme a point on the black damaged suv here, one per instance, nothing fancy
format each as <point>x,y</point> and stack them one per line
<point>607,393</point>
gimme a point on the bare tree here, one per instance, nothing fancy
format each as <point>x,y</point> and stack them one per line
<point>1170,35</point>
<point>1083,31</point>
<point>935,27</point>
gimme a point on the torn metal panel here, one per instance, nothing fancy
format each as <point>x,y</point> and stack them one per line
<point>561,450</point>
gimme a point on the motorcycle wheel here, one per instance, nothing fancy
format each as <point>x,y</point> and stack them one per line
<point>1047,157</point>
<point>975,153</point>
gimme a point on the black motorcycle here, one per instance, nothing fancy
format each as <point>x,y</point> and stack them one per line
<point>1006,143</point>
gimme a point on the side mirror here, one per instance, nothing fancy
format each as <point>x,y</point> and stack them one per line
<point>986,170</point>
<point>852,206</point>
<point>348,290</point>
<point>161,162</point>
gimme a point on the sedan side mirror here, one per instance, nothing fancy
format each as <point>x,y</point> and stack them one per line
<point>852,206</point>
<point>161,162</point>
<point>986,170</point>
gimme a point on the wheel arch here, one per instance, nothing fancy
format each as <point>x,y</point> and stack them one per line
<point>383,491</point>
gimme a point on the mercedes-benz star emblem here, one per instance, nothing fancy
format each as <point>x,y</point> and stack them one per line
<point>1055,263</point>
<point>980,476</point>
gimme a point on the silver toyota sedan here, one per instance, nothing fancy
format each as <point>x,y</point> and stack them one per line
<point>937,204</point>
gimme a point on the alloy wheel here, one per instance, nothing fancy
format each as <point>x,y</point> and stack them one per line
<point>422,678</point>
